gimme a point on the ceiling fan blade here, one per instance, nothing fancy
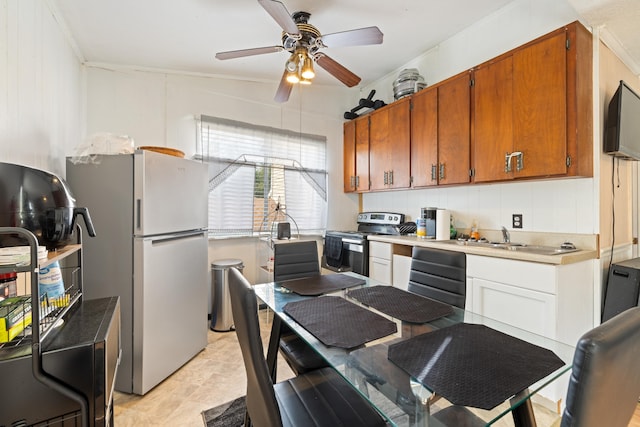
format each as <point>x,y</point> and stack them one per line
<point>337,70</point>
<point>280,14</point>
<point>361,36</point>
<point>284,90</point>
<point>248,52</point>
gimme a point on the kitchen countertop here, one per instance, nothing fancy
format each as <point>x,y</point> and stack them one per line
<point>560,259</point>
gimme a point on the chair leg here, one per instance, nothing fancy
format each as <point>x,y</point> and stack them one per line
<point>272,350</point>
<point>523,414</point>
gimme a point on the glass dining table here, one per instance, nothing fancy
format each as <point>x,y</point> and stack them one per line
<point>417,373</point>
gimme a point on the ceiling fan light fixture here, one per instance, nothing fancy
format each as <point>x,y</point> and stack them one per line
<point>292,77</point>
<point>292,64</point>
<point>303,43</point>
<point>307,68</point>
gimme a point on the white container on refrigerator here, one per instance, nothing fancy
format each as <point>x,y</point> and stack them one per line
<point>150,214</point>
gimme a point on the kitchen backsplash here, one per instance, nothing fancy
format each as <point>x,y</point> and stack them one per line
<point>552,206</point>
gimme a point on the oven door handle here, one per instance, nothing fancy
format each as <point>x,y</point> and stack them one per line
<point>355,248</point>
<point>353,241</point>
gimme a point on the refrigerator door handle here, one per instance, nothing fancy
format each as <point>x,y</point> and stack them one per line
<point>138,213</point>
<point>172,238</point>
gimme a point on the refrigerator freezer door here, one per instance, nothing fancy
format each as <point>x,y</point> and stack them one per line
<point>105,187</point>
<point>170,194</point>
<point>170,322</point>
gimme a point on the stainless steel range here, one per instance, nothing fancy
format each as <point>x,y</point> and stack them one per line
<point>349,250</point>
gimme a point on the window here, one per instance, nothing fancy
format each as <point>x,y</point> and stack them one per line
<point>259,176</point>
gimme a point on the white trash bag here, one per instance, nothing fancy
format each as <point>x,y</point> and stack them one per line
<point>102,143</point>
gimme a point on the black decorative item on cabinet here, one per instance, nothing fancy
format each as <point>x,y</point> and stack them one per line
<point>60,370</point>
<point>367,103</point>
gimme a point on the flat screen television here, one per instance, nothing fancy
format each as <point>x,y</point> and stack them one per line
<point>622,129</point>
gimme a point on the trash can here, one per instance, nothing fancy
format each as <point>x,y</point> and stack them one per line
<point>221,316</point>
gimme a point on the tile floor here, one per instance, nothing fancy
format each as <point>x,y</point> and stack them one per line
<point>215,376</point>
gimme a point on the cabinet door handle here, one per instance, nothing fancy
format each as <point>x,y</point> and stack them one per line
<point>390,177</point>
<point>433,172</point>
<point>386,177</point>
<point>519,161</point>
<point>441,171</point>
<point>357,181</point>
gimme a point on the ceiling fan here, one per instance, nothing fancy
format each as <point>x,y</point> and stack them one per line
<point>304,42</point>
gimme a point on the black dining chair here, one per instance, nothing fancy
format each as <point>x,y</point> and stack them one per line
<point>320,398</point>
<point>439,274</point>
<point>442,275</point>
<point>605,380</point>
<point>295,260</point>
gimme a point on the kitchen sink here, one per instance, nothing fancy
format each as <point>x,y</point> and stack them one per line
<point>517,247</point>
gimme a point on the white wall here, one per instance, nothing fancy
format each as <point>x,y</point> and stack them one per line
<point>44,99</point>
<point>563,206</point>
<point>41,100</point>
<point>157,108</point>
<point>515,24</point>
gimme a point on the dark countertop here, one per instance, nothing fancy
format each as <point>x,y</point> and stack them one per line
<point>85,324</point>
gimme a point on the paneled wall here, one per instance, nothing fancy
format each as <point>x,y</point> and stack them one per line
<point>616,176</point>
<point>157,108</point>
<point>562,206</point>
<point>49,103</point>
<point>41,98</point>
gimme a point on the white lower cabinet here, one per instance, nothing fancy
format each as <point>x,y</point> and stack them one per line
<point>523,308</point>
<point>555,301</point>
<point>381,262</point>
<point>401,270</point>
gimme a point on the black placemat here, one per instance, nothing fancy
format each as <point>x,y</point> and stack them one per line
<point>400,304</point>
<point>473,365</point>
<point>338,322</point>
<point>321,284</point>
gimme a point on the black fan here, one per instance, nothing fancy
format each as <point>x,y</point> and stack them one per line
<point>304,42</point>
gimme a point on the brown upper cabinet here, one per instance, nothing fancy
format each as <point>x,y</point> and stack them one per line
<point>525,114</point>
<point>389,146</point>
<point>532,110</point>
<point>440,133</point>
<point>356,155</point>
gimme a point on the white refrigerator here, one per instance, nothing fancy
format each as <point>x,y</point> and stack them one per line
<point>150,215</point>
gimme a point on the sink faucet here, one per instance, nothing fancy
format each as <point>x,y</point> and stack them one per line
<point>505,236</point>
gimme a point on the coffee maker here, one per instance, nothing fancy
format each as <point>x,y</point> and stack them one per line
<point>429,216</point>
<point>437,223</point>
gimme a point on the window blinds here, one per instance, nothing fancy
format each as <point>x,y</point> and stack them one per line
<point>259,176</point>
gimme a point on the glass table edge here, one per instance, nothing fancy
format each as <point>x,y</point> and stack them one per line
<point>276,296</point>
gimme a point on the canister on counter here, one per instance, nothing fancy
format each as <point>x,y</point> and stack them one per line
<point>421,228</point>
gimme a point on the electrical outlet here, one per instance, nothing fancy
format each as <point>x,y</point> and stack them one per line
<point>516,220</point>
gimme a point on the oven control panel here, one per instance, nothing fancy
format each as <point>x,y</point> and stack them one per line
<point>384,218</point>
